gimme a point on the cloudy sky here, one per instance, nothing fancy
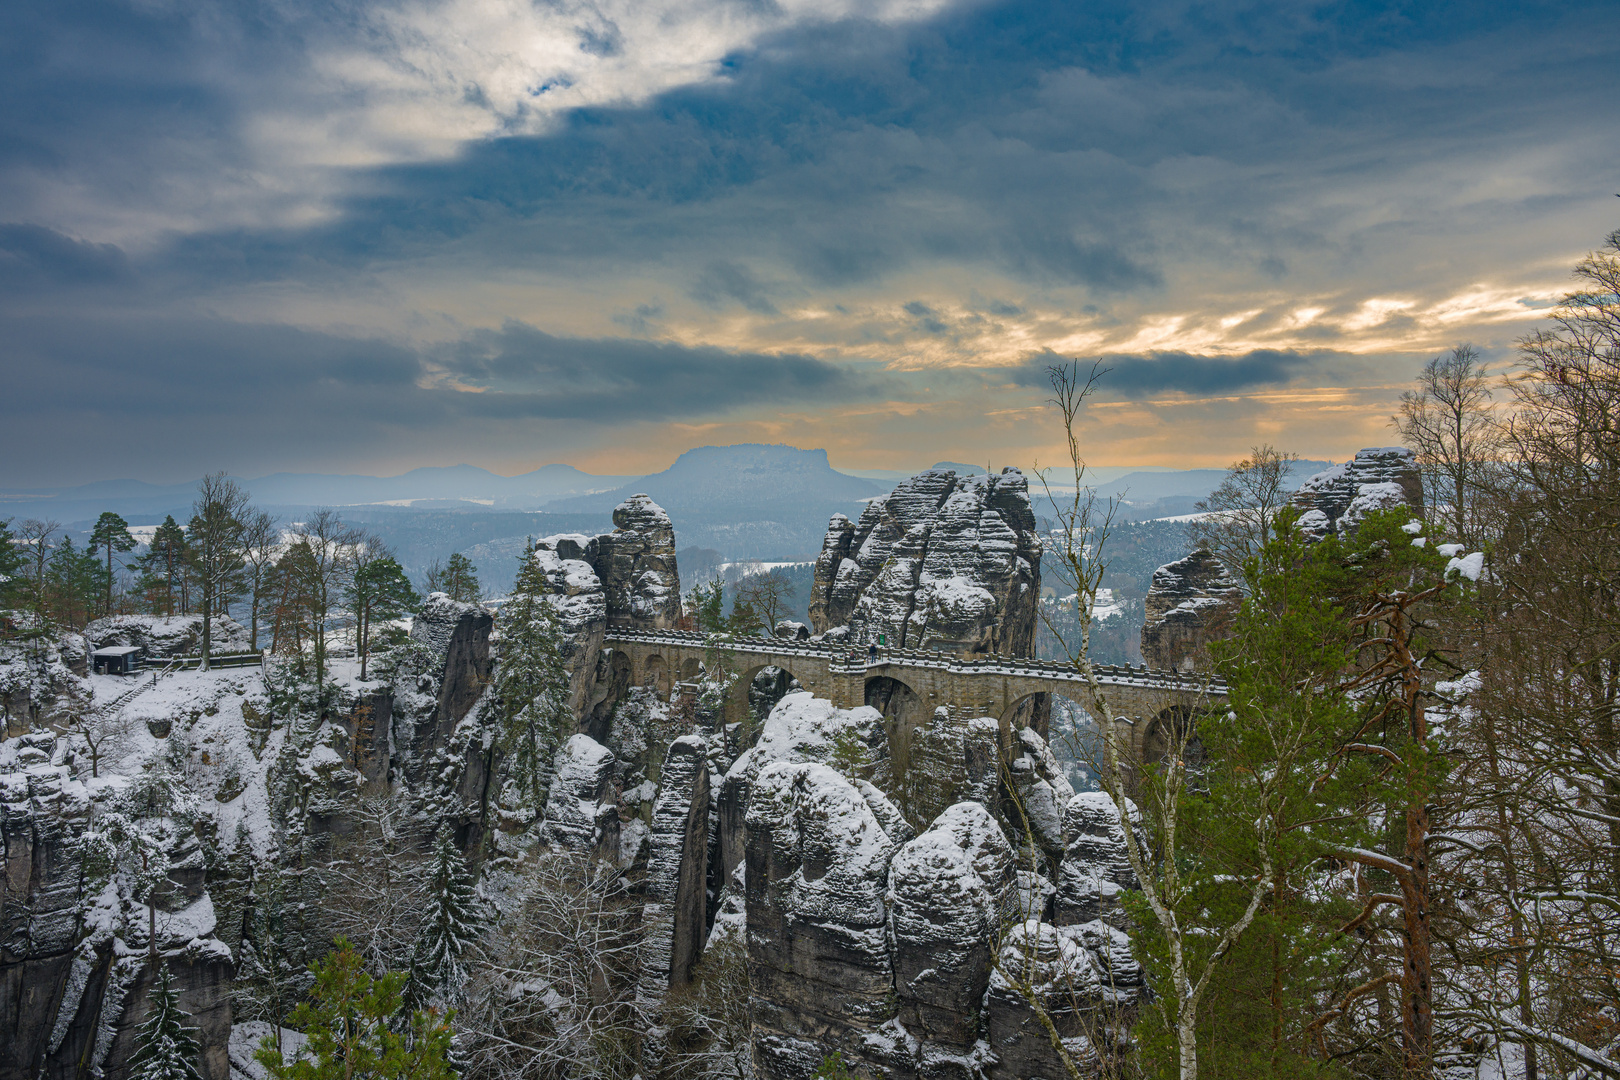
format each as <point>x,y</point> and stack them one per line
<point>366,236</point>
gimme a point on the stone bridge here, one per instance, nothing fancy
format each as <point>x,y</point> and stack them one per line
<point>907,685</point>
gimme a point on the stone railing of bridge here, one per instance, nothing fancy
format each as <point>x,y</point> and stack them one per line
<point>909,684</point>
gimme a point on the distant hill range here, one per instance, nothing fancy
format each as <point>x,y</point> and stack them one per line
<point>750,501</point>
<point>450,487</point>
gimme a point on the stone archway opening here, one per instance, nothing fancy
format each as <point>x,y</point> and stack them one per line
<point>1166,732</point>
<point>754,695</point>
<point>904,711</point>
<point>656,674</point>
<point>1071,733</point>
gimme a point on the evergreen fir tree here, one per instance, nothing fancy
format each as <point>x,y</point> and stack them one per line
<point>454,921</point>
<point>163,567</point>
<point>164,1048</point>
<point>531,687</point>
<point>111,535</point>
<point>353,1023</point>
<point>461,579</point>
<point>12,581</point>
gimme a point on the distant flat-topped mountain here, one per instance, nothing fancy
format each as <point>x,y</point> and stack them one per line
<point>749,501</point>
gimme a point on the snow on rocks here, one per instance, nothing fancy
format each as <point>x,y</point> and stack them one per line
<point>1042,788</point>
<point>817,920</point>
<point>165,636</point>
<point>677,868</point>
<point>580,810</point>
<point>1187,605</point>
<point>801,728</point>
<point>1049,962</point>
<point>941,562</point>
<point>947,890</point>
<point>1096,867</point>
<point>1339,497</point>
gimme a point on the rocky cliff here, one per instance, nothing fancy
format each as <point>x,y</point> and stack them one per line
<point>75,952</point>
<point>1335,499</point>
<point>943,561</point>
<point>1190,602</point>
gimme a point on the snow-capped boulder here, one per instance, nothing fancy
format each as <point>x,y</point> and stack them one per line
<point>948,890</point>
<point>941,562</point>
<point>1057,967</point>
<point>1189,604</point>
<point>1042,788</point>
<point>165,636</point>
<point>1096,866</point>
<point>581,812</point>
<point>818,955</point>
<point>1376,478</point>
<point>801,728</point>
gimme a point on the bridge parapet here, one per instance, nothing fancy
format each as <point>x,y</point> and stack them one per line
<point>843,659</point>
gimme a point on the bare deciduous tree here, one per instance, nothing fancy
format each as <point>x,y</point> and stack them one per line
<point>1239,511</point>
<point>553,997</point>
<point>1448,421</point>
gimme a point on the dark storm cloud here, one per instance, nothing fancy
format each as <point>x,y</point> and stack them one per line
<point>180,390</point>
<point>32,255</point>
<point>1145,374</point>
<point>612,379</point>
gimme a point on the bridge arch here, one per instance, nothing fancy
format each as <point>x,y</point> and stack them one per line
<point>758,688</point>
<point>655,672</point>
<point>904,710</point>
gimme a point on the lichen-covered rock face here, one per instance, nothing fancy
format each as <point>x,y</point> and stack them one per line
<point>1189,604</point>
<point>636,563</point>
<point>1096,867</point>
<point>1336,499</point>
<point>580,601</point>
<point>948,890</point>
<point>818,955</point>
<point>942,562</point>
<point>166,636</point>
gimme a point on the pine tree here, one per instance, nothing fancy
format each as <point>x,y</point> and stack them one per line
<point>460,579</point>
<point>111,535</point>
<point>353,1026</point>
<point>11,566</point>
<point>163,567</point>
<point>164,1048</point>
<point>454,922</point>
<point>72,582</point>
<point>379,591</point>
<point>532,687</point>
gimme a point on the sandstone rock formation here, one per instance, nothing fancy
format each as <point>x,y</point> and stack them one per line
<point>1335,499</point>
<point>73,972</point>
<point>818,951</point>
<point>942,561</point>
<point>581,812</point>
<point>948,891</point>
<point>677,866</point>
<point>626,579</point>
<point>166,636</point>
<point>1188,605</point>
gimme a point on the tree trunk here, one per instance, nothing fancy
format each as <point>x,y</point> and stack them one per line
<point>1187,1041</point>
